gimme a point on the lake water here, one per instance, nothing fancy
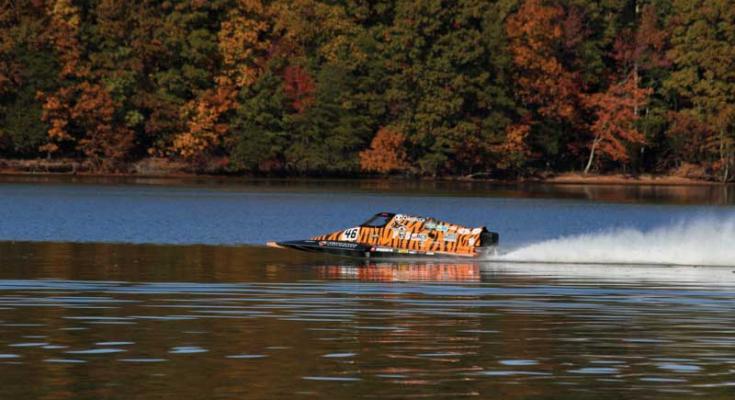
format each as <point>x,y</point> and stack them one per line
<point>598,292</point>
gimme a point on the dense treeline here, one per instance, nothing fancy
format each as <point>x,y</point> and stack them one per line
<point>430,87</point>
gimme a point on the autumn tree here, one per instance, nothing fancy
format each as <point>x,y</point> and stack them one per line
<point>614,127</point>
<point>242,45</point>
<point>175,43</point>
<point>106,142</point>
<point>550,48</point>
<point>514,150</point>
<point>64,26</point>
<point>703,76</point>
<point>536,33</point>
<point>319,30</point>
<point>83,110</point>
<point>301,115</point>
<point>123,56</point>
<point>642,48</point>
<point>616,110</point>
<point>27,66</point>
<point>386,153</point>
<point>474,87</point>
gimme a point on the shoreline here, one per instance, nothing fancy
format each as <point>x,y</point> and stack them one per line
<point>165,170</point>
<point>575,178</point>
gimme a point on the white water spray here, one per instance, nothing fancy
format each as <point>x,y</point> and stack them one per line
<point>704,241</point>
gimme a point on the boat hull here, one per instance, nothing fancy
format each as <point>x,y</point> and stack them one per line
<point>327,246</point>
<point>359,250</point>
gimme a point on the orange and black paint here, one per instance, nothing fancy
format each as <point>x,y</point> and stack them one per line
<point>399,235</point>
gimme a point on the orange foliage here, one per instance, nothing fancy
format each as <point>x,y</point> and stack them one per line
<point>88,108</point>
<point>64,33</point>
<point>386,153</point>
<point>105,142</point>
<point>514,150</point>
<point>615,118</point>
<point>205,125</point>
<point>534,32</point>
<point>64,23</point>
<point>56,114</point>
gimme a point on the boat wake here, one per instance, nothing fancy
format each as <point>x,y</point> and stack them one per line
<point>703,241</point>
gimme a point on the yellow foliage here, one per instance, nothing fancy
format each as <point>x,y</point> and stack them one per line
<point>305,22</point>
<point>242,42</point>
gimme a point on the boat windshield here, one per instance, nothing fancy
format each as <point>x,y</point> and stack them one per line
<point>378,221</point>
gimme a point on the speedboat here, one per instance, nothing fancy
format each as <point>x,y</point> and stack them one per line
<point>391,235</point>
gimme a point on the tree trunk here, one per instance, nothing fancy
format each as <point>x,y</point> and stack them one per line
<point>592,155</point>
<point>728,162</point>
<point>635,89</point>
<point>725,176</point>
<point>635,64</point>
<point>723,162</point>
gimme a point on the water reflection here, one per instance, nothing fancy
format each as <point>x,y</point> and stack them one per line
<point>112,321</point>
<point>403,271</point>
<point>527,272</point>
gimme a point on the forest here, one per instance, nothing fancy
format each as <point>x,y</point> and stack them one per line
<point>491,88</point>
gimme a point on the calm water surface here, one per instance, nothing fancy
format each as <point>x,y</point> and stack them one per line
<point>101,320</point>
<point>257,211</point>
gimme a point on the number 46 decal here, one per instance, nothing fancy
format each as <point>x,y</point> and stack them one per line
<point>350,235</point>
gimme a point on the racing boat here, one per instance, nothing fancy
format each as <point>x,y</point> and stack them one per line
<point>391,235</point>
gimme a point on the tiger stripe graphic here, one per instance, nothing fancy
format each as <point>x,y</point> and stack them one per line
<point>406,233</point>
